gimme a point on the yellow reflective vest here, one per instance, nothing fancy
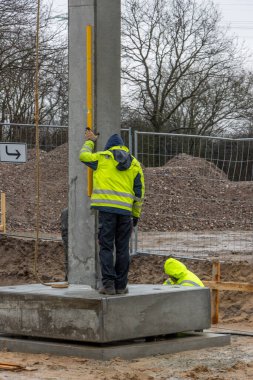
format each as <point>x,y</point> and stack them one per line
<point>180,274</point>
<point>118,181</point>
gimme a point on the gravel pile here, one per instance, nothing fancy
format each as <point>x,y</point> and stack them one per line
<point>187,193</point>
<point>18,182</point>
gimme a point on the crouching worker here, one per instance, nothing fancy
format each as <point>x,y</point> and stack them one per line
<point>179,274</point>
<point>118,192</point>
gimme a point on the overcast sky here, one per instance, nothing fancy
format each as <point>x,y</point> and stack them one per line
<point>238,14</point>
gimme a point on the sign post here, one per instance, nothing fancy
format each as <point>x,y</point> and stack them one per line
<point>13,152</point>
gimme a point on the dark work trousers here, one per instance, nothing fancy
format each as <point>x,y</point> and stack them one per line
<point>114,229</point>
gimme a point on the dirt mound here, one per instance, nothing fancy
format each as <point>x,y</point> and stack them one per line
<point>195,195</point>
<point>186,165</point>
<point>17,261</point>
<point>18,181</point>
<point>188,193</point>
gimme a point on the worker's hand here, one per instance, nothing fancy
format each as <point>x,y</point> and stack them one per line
<point>135,221</point>
<point>89,135</point>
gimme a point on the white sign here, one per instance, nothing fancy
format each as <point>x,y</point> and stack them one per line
<point>13,152</point>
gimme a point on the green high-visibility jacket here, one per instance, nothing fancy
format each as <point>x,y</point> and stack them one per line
<point>118,181</point>
<point>181,275</point>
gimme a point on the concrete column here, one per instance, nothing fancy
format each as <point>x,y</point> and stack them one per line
<point>104,16</point>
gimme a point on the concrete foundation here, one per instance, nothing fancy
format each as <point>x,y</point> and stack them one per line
<point>128,351</point>
<point>80,313</point>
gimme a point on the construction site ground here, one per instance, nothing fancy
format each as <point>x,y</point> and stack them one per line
<point>236,315</point>
<point>191,210</point>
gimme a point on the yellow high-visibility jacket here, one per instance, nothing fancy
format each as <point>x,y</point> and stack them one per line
<point>118,181</point>
<point>181,274</point>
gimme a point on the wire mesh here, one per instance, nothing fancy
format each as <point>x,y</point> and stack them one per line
<point>199,195</point>
<point>199,189</point>
<point>51,136</point>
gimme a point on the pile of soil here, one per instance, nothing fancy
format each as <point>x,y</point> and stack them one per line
<point>19,184</point>
<point>188,193</point>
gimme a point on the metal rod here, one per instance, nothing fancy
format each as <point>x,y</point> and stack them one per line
<point>193,136</point>
<point>130,144</point>
<point>32,125</point>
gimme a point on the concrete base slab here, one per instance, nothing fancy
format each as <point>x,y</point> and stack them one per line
<point>80,313</point>
<point>127,350</point>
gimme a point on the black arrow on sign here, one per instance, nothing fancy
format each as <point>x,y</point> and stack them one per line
<point>17,154</point>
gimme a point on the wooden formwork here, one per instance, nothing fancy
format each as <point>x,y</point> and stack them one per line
<point>216,285</point>
<point>3,213</point>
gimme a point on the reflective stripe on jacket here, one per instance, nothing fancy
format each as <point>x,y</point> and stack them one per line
<point>180,274</point>
<point>118,181</point>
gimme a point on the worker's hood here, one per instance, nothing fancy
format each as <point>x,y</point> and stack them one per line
<point>122,157</point>
<point>114,140</point>
<point>174,268</point>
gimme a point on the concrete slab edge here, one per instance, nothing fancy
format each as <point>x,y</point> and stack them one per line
<point>127,351</point>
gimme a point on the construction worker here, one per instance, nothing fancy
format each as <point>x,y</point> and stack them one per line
<point>118,192</point>
<point>180,275</point>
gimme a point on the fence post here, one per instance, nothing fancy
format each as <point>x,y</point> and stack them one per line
<point>215,298</point>
<point>130,143</point>
<point>135,247</point>
<point>136,144</point>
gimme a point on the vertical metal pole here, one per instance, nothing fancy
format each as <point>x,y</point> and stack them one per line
<point>136,144</point>
<point>215,293</point>
<point>135,248</point>
<point>89,92</point>
<point>130,143</point>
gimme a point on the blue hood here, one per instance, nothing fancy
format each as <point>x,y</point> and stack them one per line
<point>114,140</point>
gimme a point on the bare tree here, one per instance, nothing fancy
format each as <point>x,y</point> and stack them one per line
<point>178,65</point>
<point>17,64</point>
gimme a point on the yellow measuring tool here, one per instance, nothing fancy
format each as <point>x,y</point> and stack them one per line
<point>89,97</point>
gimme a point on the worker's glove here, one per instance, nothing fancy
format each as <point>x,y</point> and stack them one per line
<point>89,135</point>
<point>135,221</point>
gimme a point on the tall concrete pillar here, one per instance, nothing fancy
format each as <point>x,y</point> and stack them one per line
<point>104,16</point>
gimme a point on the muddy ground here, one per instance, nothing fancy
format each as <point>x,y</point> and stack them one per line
<point>233,362</point>
<point>236,312</point>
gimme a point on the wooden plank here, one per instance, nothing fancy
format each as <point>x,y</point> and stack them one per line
<point>233,286</point>
<point>3,213</point>
<point>215,297</point>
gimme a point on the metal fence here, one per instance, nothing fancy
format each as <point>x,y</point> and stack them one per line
<point>199,189</point>
<point>199,195</point>
<point>51,136</point>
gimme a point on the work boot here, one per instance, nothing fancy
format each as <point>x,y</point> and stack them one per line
<point>108,291</point>
<point>122,291</point>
